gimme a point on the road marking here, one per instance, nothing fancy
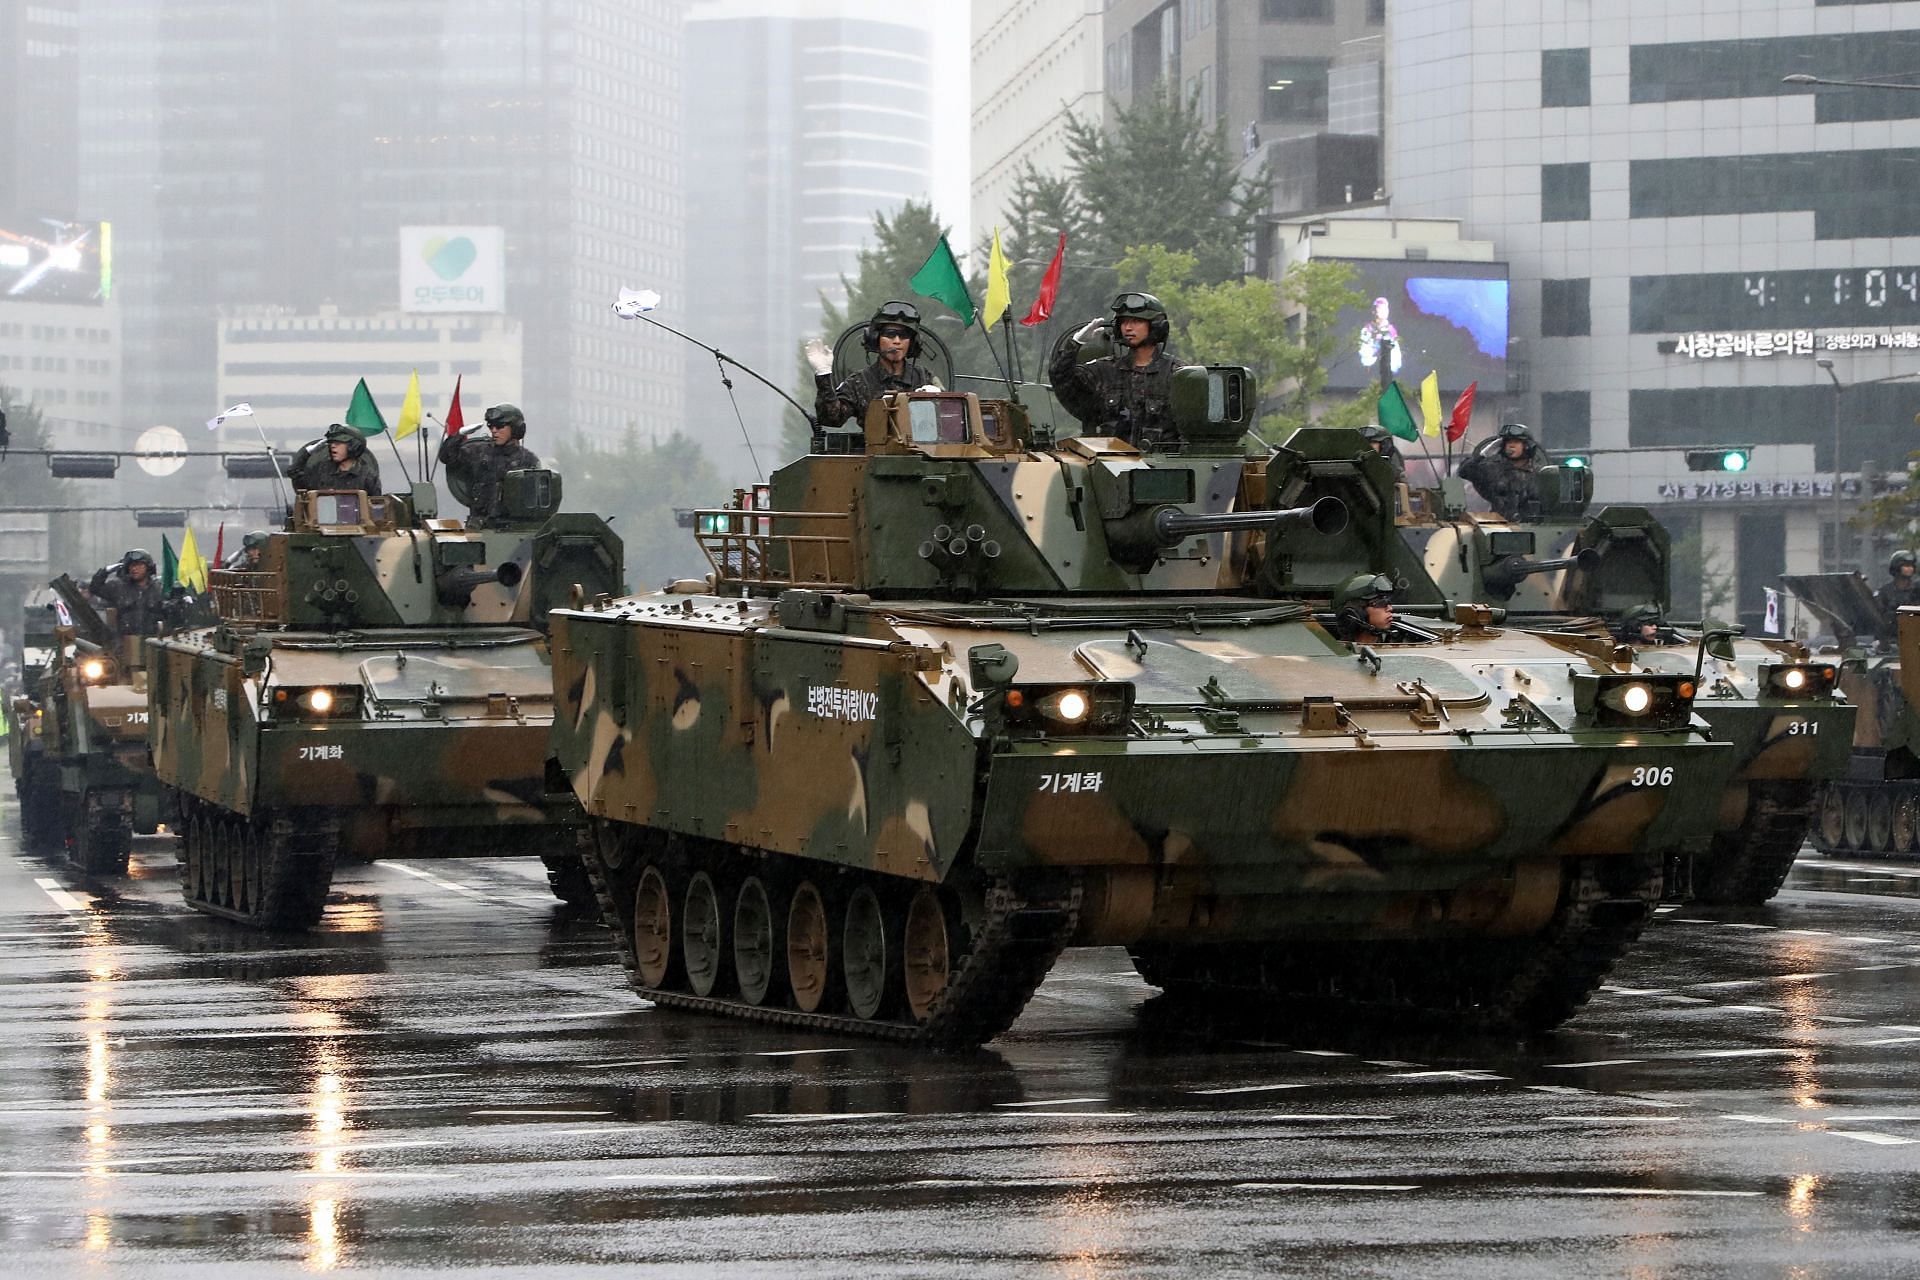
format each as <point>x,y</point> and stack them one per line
<point>1603,1062</point>
<point>435,880</point>
<point>777,1117</point>
<point>1750,1008</point>
<point>1734,1053</point>
<point>1050,1102</point>
<point>1310,1117</point>
<point>1608,1119</point>
<point>796,1053</point>
<point>1750,1119</point>
<point>1083,1115</point>
<point>1326,1186</point>
<point>1810,933</point>
<point>1655,1191</point>
<point>1877,1139</point>
<point>688,1179</point>
<point>637,1062</point>
<point>1251,1088</point>
<point>1448,1075</point>
<point>507,1111</point>
<point>61,898</point>
<point>1877,1044</point>
<point>1635,991</point>
<point>1323,1053</point>
<point>1732,924</point>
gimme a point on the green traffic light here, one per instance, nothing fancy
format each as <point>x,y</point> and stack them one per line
<point>1733,460</point>
<point>1575,461</point>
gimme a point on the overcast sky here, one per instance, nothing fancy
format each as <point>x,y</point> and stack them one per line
<point>952,101</point>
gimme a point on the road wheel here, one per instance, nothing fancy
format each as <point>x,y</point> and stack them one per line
<point>1857,819</point>
<point>1906,822</point>
<point>653,928</point>
<point>926,956</point>
<point>1880,822</point>
<point>1833,818</point>
<point>756,954</point>
<point>866,959</point>
<point>702,939</point>
<point>809,963</point>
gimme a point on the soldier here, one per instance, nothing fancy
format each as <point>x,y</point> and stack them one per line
<point>252,548</point>
<point>132,590</point>
<point>482,465</point>
<point>1125,395</point>
<point>345,464</point>
<point>1382,441</point>
<point>893,336</point>
<point>1902,587</point>
<point>1506,475</point>
<point>1644,626</point>
<point>1363,608</point>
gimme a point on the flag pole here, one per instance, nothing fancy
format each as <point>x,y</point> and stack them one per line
<point>1006,332</point>
<point>395,444</point>
<point>279,479</point>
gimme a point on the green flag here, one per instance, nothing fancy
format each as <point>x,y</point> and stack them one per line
<point>363,415</point>
<point>169,566</point>
<point>940,279</point>
<point>1394,414</point>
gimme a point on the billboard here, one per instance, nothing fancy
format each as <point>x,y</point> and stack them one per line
<point>55,261</point>
<point>1425,316</point>
<point>453,269</point>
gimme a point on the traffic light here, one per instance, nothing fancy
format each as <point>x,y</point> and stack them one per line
<point>1732,458</point>
<point>160,519</point>
<point>1576,461</point>
<point>254,466</point>
<point>83,466</point>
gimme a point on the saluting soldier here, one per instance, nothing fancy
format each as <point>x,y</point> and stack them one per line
<point>893,336</point>
<point>482,464</point>
<point>1127,394</point>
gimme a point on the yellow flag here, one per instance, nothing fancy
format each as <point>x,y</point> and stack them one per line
<point>193,566</point>
<point>999,296</point>
<point>409,410</point>
<point>1429,404</point>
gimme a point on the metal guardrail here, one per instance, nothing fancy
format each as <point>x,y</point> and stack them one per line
<point>239,596</point>
<point>744,550</point>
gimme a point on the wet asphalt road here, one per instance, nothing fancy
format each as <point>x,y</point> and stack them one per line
<point>451,1076</point>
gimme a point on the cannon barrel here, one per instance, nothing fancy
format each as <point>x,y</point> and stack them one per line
<point>456,586</point>
<point>1505,574</point>
<point>1326,517</point>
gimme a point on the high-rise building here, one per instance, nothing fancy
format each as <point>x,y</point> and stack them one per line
<point>269,154</point>
<point>803,120</point>
<point>39,108</point>
<point>1690,237</point>
<point>1035,63</point>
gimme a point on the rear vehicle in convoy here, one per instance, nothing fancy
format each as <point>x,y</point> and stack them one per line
<point>956,697</point>
<point>378,687</point>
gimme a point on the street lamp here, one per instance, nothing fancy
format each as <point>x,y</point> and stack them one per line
<point>1803,78</point>
<point>1838,387</point>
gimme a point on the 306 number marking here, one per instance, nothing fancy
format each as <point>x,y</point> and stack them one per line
<point>1650,775</point>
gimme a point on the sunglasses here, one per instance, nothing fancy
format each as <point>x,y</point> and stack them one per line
<point>894,331</point>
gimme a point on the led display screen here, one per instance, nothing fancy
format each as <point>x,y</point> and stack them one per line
<point>1425,316</point>
<point>54,261</point>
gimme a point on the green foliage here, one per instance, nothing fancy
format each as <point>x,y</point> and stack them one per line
<point>1895,515</point>
<point>637,486</point>
<point>1245,322</point>
<point>1700,574</point>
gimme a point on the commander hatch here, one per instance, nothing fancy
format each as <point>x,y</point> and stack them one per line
<point>349,512</point>
<point>946,424</point>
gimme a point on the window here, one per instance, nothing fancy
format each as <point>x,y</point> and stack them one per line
<point>1565,194</point>
<point>1566,419</point>
<point>1376,13</point>
<point>1851,194</point>
<point>1566,78</point>
<point>1296,10</point>
<point>1565,310</point>
<point>1294,89</point>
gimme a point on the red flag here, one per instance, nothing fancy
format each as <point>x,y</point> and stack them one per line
<point>1462,413</point>
<point>220,547</point>
<point>1049,286</point>
<point>454,421</point>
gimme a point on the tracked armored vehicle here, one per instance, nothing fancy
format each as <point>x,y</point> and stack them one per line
<point>955,698</point>
<point>77,739</point>
<point>377,687</point>
<point>1771,700</point>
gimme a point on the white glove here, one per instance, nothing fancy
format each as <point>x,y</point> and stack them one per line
<point>818,357</point>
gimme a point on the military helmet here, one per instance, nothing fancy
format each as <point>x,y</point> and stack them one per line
<point>341,433</point>
<point>1900,558</point>
<point>1641,615</point>
<point>258,538</point>
<point>1374,433</point>
<point>140,555</point>
<point>893,314</point>
<point>1141,306</point>
<point>510,414</point>
<point>1363,589</point>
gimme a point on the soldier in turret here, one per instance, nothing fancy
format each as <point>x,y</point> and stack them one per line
<point>893,336</point>
<point>1127,394</point>
<point>482,465</point>
<point>132,590</point>
<point>1507,474</point>
<point>1644,626</point>
<point>1902,587</point>
<point>1363,609</point>
<point>344,463</point>
<point>253,548</point>
<point>1382,443</point>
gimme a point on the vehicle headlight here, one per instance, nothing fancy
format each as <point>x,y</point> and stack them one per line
<point>318,702</point>
<point>1102,706</point>
<point>1798,681</point>
<point>1645,701</point>
<point>95,670</point>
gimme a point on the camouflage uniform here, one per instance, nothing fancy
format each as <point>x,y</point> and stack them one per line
<point>138,606</point>
<point>1510,485</point>
<point>361,473</point>
<point>1113,396</point>
<point>851,398</point>
<point>482,466</point>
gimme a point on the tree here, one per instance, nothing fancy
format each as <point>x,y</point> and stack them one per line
<point>1245,322</point>
<point>1702,580</point>
<point>637,486</point>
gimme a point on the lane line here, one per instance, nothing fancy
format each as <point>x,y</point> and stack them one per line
<point>1326,1186</point>
<point>61,898</point>
<point>1656,1191</point>
<point>1051,1102</point>
<point>1251,1088</point>
<point>780,1117</point>
<point>1877,1139</point>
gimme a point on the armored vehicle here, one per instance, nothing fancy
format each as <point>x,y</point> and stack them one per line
<point>77,738</point>
<point>1777,706</point>
<point>955,698</point>
<point>1872,808</point>
<point>378,686</point>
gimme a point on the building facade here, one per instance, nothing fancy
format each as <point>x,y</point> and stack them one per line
<point>1690,238</point>
<point>821,119</point>
<point>39,109</point>
<point>64,358</point>
<point>1035,63</point>
<point>267,155</point>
